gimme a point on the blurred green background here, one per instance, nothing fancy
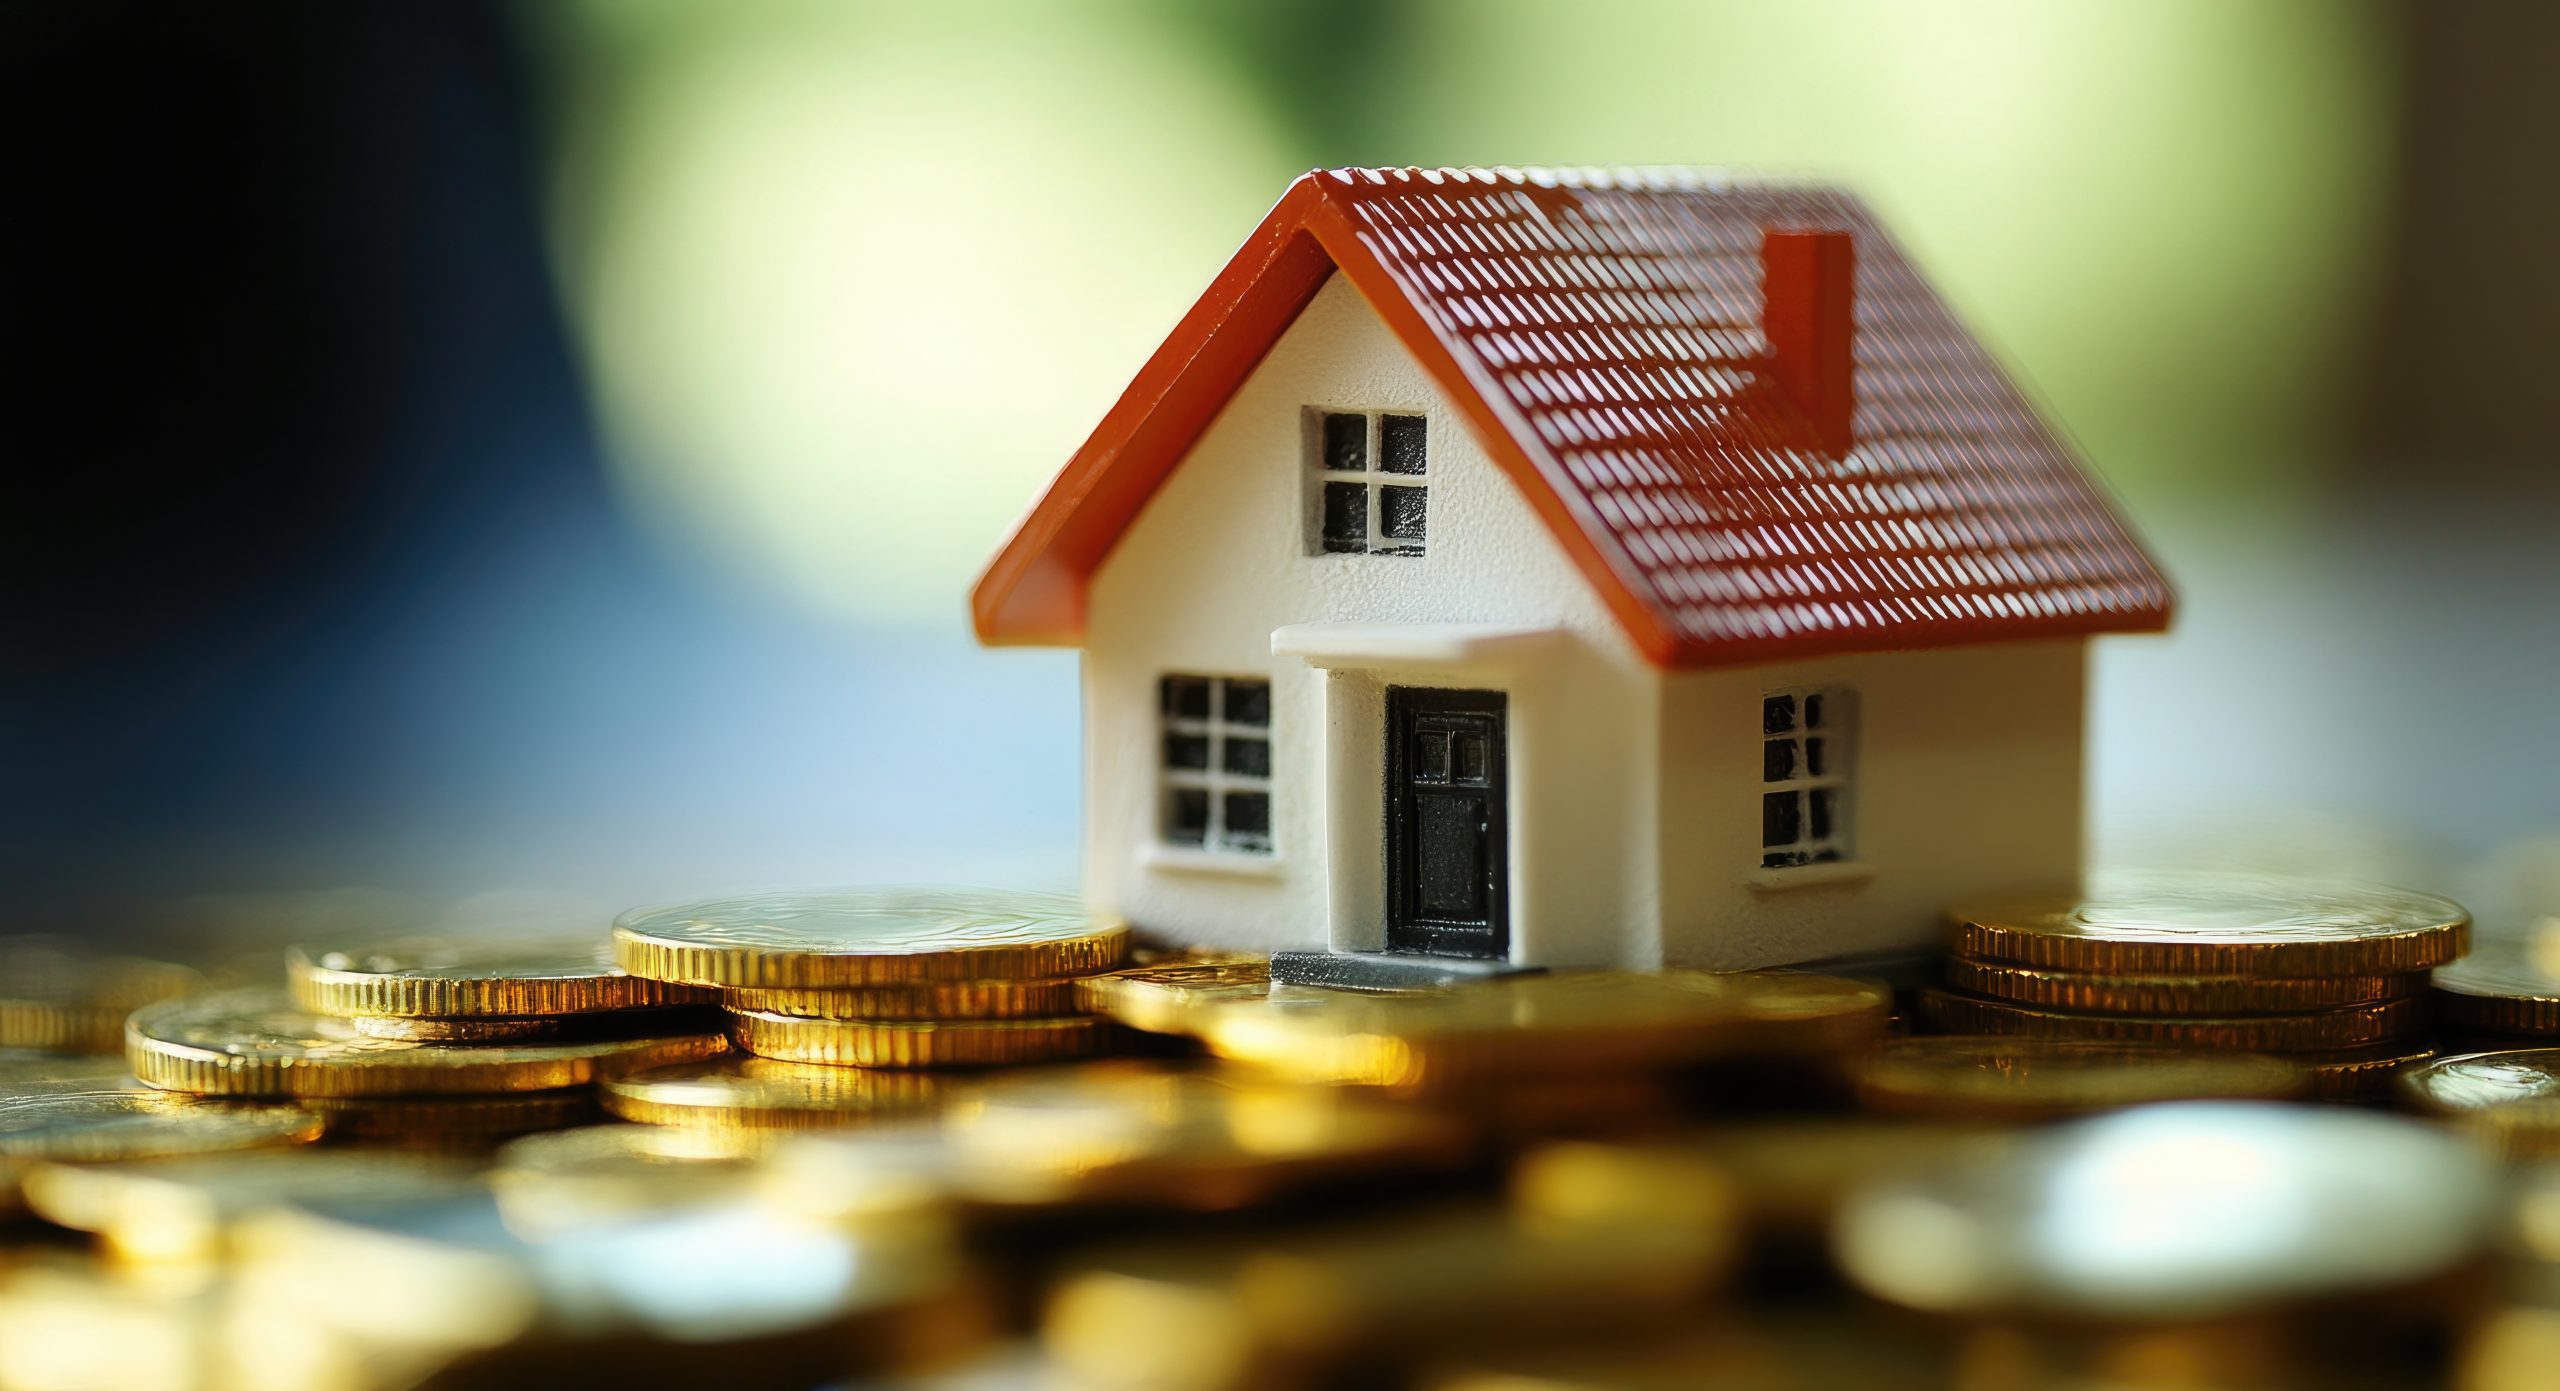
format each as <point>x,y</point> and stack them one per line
<point>702,352</point>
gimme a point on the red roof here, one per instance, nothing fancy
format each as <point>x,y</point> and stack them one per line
<point>1601,331</point>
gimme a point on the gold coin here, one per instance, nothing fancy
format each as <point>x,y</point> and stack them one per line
<point>918,1043</point>
<point>858,937</point>
<point>2500,988</point>
<point>2073,990</point>
<point>24,1070</point>
<point>182,1209</point>
<point>1595,1023</point>
<point>2129,923</point>
<point>946,999</point>
<point>1163,995</point>
<point>2354,1026</point>
<point>453,1122</point>
<point>258,1043</point>
<point>53,995</point>
<point>1142,1134</point>
<point>616,1173</point>
<point>2356,1074</point>
<point>2027,1078</point>
<point>404,1029</point>
<point>98,1125</point>
<point>472,977</point>
<point>761,1093</point>
<point>1788,1175</point>
<point>2184,1211</point>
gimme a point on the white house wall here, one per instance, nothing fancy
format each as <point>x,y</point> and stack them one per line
<point>1218,560</point>
<point>1967,779</point>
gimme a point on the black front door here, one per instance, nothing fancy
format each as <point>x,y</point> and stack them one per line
<point>1447,879</point>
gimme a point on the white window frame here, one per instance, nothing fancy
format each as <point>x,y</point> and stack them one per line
<point>1838,732</point>
<point>1214,779</point>
<point>1373,474</point>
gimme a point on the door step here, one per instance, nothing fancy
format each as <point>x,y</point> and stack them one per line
<point>1367,970</point>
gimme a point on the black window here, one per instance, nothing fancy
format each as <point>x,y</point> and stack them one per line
<point>1369,483</point>
<point>1804,782</point>
<point>1216,769</point>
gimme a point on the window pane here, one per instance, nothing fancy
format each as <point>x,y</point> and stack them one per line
<point>1346,443</point>
<point>1824,801</point>
<point>1777,714</point>
<point>1401,512</point>
<point>1346,516</point>
<point>1249,702</point>
<point>1186,751</point>
<point>1471,757</point>
<point>1781,859</point>
<point>1813,712</point>
<point>1400,444</point>
<point>1186,813</point>
<point>1250,757</point>
<point>1431,756</point>
<point>1777,760</point>
<point>1781,821</point>
<point>1813,759</point>
<point>1187,697</point>
<point>1248,820</point>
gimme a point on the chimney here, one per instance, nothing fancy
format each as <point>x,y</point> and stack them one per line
<point>1810,315</point>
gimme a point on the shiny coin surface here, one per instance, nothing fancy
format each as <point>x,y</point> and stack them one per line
<point>2026,1078</point>
<point>764,1094</point>
<point>100,1125</point>
<point>947,999</point>
<point>603,1173</point>
<point>919,1043</point>
<point>53,995</point>
<point>1148,1134</point>
<point>30,1070</point>
<point>860,937</point>
<point>181,1209</point>
<point>2073,990</point>
<point>1163,992</point>
<point>492,1029</point>
<point>2150,923</point>
<point>259,1043</point>
<point>454,1123</point>
<point>1563,1024</point>
<point>2354,1026</point>
<point>473,977</point>
<point>2511,1098</point>
<point>2505,986</point>
<point>2189,1210</point>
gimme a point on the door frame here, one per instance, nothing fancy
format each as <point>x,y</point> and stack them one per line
<point>1406,933</point>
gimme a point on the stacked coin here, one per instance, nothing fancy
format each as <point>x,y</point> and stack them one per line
<point>2329,975</point>
<point>261,1043</point>
<point>2506,993</point>
<point>55,995</point>
<point>888,978</point>
<point>489,990</point>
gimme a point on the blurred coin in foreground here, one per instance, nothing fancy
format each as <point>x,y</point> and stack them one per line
<point>1163,992</point>
<point>502,977</point>
<point>2192,1210</point>
<point>835,939</point>
<point>24,1070</point>
<point>901,1043</point>
<point>2352,1026</point>
<point>72,1323</point>
<point>2074,990</point>
<point>259,1043</point>
<point>182,1209</point>
<point>2155,923</point>
<point>763,1094</point>
<point>1568,1023</point>
<point>2504,986</point>
<point>458,1124</point>
<point>54,995</point>
<point>2001,1078</point>
<point>100,1125</point>
<point>605,1173</point>
<point>721,1294</point>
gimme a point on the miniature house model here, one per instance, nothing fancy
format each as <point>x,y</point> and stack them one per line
<point>1557,568</point>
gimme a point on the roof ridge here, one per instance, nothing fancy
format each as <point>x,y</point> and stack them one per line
<point>1654,178</point>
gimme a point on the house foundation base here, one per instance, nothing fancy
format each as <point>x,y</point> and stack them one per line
<point>1363,970</point>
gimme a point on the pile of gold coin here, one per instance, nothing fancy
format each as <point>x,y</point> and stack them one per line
<point>887,978</point>
<point>2506,992</point>
<point>2332,976</point>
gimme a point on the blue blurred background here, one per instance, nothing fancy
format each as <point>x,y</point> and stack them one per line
<point>541,451</point>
